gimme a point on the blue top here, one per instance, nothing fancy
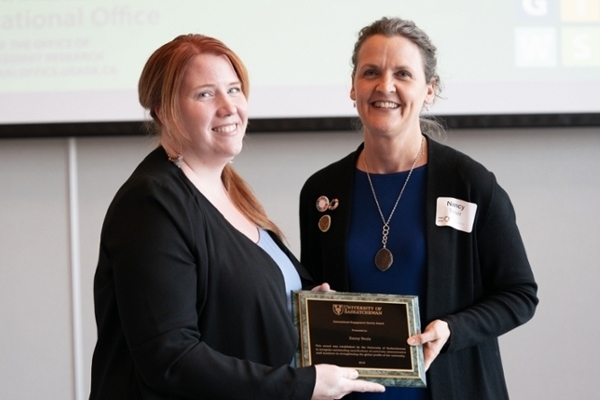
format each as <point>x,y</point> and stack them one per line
<point>406,241</point>
<point>290,275</point>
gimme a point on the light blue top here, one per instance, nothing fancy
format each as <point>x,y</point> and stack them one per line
<point>290,275</point>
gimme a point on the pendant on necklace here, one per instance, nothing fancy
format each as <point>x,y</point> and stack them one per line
<point>384,259</point>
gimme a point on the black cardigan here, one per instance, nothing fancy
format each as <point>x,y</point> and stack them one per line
<point>481,282</point>
<point>187,307</point>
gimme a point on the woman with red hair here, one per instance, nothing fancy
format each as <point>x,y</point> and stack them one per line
<point>192,286</point>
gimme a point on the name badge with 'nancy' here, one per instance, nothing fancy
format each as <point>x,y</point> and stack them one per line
<point>455,213</point>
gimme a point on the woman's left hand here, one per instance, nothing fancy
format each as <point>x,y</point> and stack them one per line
<point>434,337</point>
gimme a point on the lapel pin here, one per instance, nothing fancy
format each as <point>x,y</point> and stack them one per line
<point>334,204</point>
<point>323,204</point>
<point>324,223</point>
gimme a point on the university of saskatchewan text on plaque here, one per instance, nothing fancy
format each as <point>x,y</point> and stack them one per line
<point>364,331</point>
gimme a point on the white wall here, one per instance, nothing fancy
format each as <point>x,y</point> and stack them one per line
<point>47,331</point>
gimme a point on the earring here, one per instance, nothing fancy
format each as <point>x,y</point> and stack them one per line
<point>177,160</point>
<point>426,105</point>
<point>354,104</point>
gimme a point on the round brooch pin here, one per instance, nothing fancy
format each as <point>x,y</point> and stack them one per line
<point>322,203</point>
<point>324,223</point>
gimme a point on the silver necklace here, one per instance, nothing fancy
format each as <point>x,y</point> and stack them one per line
<point>384,257</point>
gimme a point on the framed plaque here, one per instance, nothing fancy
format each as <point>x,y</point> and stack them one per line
<point>364,331</point>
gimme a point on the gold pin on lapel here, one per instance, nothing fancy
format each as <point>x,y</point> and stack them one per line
<point>334,204</point>
<point>322,203</point>
<point>324,223</point>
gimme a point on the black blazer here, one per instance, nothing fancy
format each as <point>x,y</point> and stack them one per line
<point>480,282</point>
<point>187,307</point>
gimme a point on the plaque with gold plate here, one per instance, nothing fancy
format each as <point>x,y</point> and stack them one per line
<point>364,331</point>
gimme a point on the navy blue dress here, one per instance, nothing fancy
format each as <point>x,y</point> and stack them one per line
<point>406,241</point>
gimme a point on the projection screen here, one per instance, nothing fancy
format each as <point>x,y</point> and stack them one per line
<point>78,61</point>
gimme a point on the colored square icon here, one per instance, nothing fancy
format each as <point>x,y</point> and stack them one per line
<point>580,46</point>
<point>535,47</point>
<point>536,11</point>
<point>580,10</point>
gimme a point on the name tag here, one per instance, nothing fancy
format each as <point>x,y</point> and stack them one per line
<point>455,213</point>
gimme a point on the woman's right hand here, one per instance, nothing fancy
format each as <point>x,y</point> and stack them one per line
<point>323,287</point>
<point>335,382</point>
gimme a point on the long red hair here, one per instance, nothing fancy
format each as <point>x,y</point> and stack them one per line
<point>159,87</point>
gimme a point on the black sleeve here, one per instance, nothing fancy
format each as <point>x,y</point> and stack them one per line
<point>148,241</point>
<point>509,287</point>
